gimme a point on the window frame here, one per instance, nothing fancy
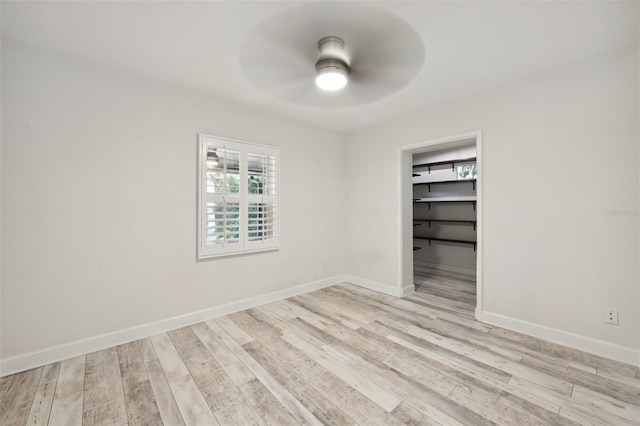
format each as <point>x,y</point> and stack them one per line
<point>244,245</point>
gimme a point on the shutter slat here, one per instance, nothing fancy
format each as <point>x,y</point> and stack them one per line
<point>223,170</point>
<point>261,174</point>
<point>223,222</point>
<point>262,221</point>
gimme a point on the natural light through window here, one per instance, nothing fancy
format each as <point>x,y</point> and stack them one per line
<point>238,197</point>
<point>466,171</point>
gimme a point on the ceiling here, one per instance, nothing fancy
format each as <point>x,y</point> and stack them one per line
<point>469,47</point>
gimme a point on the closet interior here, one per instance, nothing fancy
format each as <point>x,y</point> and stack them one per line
<point>445,227</point>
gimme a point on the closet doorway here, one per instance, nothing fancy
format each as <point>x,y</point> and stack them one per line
<point>441,223</point>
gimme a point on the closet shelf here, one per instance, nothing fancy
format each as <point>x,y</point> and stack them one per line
<point>443,220</point>
<point>456,222</point>
<point>447,240</point>
<point>428,201</point>
<point>444,163</point>
<point>446,199</point>
<point>416,248</point>
<point>446,182</point>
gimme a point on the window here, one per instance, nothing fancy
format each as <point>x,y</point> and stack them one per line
<point>237,197</point>
<point>467,171</point>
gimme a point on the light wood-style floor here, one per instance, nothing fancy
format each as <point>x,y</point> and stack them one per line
<point>447,291</point>
<point>341,356</point>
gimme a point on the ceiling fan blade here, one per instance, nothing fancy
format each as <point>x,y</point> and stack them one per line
<point>383,52</point>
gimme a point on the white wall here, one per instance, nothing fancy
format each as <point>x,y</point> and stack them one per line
<point>82,144</point>
<point>552,257</point>
<point>99,202</point>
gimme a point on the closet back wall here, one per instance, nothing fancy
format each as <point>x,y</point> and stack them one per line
<point>99,202</point>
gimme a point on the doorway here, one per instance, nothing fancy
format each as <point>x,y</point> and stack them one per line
<point>441,222</point>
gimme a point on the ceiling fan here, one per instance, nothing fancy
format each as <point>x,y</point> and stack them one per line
<point>306,54</point>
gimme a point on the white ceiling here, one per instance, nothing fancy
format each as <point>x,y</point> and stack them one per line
<point>470,47</point>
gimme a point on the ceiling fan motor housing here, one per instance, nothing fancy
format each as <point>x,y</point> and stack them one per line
<point>332,54</point>
<point>332,63</point>
<point>331,68</point>
<point>332,47</point>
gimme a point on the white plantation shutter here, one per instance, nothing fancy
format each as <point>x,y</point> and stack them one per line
<point>237,197</point>
<point>262,212</point>
<point>223,223</point>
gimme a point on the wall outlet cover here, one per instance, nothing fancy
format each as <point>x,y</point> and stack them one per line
<point>611,317</point>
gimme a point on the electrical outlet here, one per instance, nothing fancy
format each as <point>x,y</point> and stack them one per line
<point>611,317</point>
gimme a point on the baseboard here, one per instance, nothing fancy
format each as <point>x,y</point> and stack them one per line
<point>478,314</point>
<point>80,347</point>
<point>379,287</point>
<point>576,341</point>
<point>410,289</point>
<point>457,270</point>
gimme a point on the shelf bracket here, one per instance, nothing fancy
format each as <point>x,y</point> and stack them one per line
<point>474,185</point>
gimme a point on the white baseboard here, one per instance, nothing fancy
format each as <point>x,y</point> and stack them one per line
<point>457,270</point>
<point>80,347</point>
<point>379,287</point>
<point>576,341</point>
<point>478,314</point>
<point>410,289</point>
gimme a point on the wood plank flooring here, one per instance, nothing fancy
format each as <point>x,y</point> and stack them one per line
<point>447,291</point>
<point>343,355</point>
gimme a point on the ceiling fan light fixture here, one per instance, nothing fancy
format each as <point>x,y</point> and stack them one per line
<point>331,69</point>
<point>331,74</point>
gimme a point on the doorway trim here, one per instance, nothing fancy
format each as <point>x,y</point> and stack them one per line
<point>405,208</point>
